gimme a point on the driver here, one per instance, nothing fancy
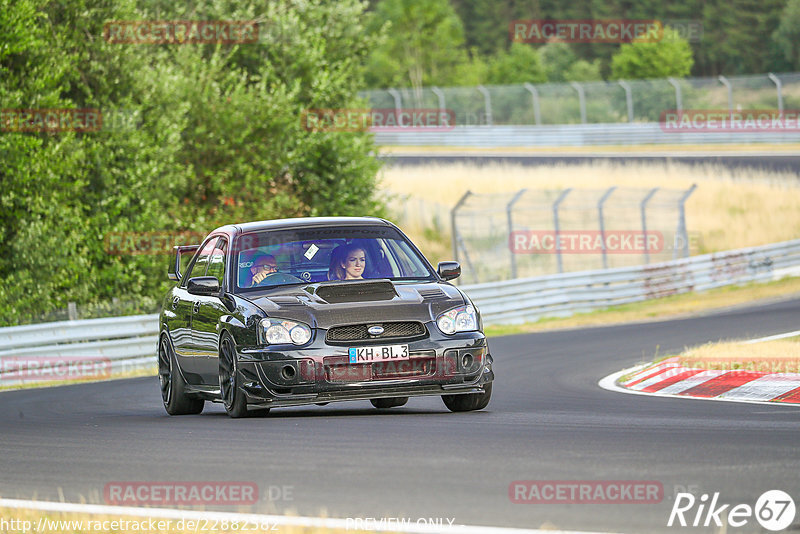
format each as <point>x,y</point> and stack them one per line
<point>263,266</point>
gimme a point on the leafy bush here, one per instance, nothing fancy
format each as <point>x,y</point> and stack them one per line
<point>214,137</point>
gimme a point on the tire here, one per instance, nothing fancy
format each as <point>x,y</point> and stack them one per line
<point>470,401</point>
<point>233,398</point>
<point>173,388</point>
<point>390,402</point>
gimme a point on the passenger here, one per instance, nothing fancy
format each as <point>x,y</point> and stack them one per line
<point>348,262</point>
<point>263,266</point>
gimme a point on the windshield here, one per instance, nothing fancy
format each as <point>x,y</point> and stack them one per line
<point>276,258</point>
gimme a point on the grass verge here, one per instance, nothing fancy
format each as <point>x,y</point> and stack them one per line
<point>663,308</point>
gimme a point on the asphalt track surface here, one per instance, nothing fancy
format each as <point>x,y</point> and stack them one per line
<point>548,420</point>
<point>788,162</point>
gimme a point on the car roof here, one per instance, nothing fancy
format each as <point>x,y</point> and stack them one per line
<point>298,222</point>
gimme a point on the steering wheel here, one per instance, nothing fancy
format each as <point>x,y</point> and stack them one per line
<point>277,279</point>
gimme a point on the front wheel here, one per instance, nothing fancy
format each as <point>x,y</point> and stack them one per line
<point>470,401</point>
<point>232,396</point>
<point>173,388</point>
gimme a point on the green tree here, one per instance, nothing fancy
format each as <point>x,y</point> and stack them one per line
<point>671,56</point>
<point>424,44</point>
<point>736,36</point>
<point>557,58</point>
<point>216,137</point>
<point>584,71</point>
<point>787,36</point>
<point>519,65</point>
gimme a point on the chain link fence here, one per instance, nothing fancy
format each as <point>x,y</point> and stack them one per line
<point>525,233</point>
<point>595,102</point>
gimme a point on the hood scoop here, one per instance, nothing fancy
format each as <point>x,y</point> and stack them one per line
<point>433,294</point>
<point>285,301</point>
<point>354,291</point>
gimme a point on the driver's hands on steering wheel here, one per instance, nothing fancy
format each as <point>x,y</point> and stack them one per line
<point>258,278</point>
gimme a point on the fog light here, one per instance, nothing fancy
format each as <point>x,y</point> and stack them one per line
<point>288,372</point>
<point>466,361</point>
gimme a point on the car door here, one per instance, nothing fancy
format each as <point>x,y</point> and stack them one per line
<point>184,305</point>
<point>205,319</point>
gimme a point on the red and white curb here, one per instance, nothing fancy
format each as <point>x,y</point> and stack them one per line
<point>668,378</point>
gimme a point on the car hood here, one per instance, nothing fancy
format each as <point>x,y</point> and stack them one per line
<point>327,304</point>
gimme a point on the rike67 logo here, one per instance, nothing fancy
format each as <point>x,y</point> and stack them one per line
<point>774,510</point>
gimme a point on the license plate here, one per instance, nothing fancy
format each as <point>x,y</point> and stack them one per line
<point>383,353</point>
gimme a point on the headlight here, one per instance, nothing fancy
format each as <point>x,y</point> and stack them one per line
<point>282,331</point>
<point>461,319</point>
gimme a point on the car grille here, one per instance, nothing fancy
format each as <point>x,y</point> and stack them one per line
<point>358,332</point>
<point>421,364</point>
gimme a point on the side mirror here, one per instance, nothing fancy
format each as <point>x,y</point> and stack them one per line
<point>174,271</point>
<point>448,270</point>
<point>203,285</point>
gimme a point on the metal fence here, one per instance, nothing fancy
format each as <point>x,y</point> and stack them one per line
<point>562,295</point>
<point>504,236</point>
<point>595,102</point>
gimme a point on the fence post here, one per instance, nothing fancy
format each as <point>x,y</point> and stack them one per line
<point>509,211</point>
<point>537,112</point>
<point>487,98</point>
<point>602,222</point>
<point>440,94</point>
<point>779,87</point>
<point>398,101</point>
<point>643,209</point>
<point>678,97</point>
<point>72,311</point>
<point>581,100</point>
<point>628,98</point>
<point>557,226</point>
<point>682,231</point>
<point>727,84</point>
<point>453,226</point>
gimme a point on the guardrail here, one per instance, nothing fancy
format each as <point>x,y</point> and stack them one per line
<point>129,343</point>
<point>574,135</point>
<point>73,349</point>
<point>561,295</point>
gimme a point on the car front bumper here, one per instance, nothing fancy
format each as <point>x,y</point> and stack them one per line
<point>321,373</point>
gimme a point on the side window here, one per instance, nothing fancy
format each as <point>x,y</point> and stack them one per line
<point>201,264</point>
<point>216,264</point>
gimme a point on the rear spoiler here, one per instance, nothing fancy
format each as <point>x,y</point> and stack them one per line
<point>174,271</point>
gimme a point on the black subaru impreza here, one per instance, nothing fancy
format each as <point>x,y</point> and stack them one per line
<point>309,311</point>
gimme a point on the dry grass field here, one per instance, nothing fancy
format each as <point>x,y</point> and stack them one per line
<point>729,209</point>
